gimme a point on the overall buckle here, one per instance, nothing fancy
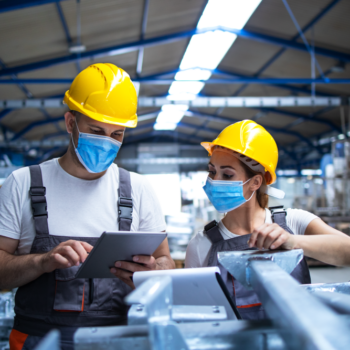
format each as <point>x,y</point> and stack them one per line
<point>125,208</point>
<point>39,208</point>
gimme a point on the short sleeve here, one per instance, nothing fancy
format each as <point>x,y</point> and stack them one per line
<point>197,252</point>
<point>151,215</point>
<point>10,209</point>
<point>298,220</point>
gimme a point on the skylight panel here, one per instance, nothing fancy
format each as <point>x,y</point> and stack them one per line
<point>204,53</point>
<point>207,50</point>
<point>170,116</point>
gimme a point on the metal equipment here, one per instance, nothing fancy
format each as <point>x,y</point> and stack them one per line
<point>6,318</point>
<point>299,317</point>
<point>308,317</point>
<point>50,342</point>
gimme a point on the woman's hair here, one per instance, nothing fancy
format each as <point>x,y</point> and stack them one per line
<point>261,196</point>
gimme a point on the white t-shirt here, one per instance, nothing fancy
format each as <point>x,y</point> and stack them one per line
<point>198,248</point>
<point>76,207</point>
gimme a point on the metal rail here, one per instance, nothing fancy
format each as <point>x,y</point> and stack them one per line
<point>305,321</point>
<point>219,101</point>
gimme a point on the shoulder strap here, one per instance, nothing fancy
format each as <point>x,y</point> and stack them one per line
<point>37,194</point>
<point>212,231</point>
<point>125,201</point>
<point>278,215</point>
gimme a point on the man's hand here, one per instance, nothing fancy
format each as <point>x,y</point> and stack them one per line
<point>271,236</point>
<point>66,254</point>
<point>124,270</point>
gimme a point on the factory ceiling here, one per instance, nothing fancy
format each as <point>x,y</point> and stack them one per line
<point>148,39</point>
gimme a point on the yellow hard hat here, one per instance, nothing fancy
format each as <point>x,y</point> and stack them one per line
<point>105,93</point>
<point>253,141</point>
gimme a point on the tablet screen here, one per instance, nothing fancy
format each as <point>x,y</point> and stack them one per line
<point>118,246</point>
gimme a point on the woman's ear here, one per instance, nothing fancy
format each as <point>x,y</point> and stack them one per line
<point>256,182</point>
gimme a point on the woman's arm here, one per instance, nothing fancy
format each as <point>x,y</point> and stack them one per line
<point>320,241</point>
<point>324,243</point>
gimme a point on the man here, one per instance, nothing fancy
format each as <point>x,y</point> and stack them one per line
<point>51,216</point>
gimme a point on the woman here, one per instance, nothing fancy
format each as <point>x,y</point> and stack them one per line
<point>243,162</point>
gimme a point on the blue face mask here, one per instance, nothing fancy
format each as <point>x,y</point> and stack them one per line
<point>96,152</point>
<point>225,195</point>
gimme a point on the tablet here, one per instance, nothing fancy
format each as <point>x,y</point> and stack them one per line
<point>195,286</point>
<point>118,246</point>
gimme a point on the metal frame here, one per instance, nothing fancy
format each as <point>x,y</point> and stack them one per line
<point>136,45</point>
<point>295,38</point>
<point>200,103</point>
<point>143,32</point>
<point>205,102</point>
<point>230,77</point>
<point>267,81</point>
<point>66,30</point>
<point>297,319</point>
<point>12,5</point>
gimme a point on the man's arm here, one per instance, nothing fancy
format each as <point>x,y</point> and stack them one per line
<point>161,260</point>
<point>15,271</point>
<point>18,270</point>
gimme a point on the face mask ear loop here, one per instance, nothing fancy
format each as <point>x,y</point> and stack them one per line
<point>250,197</point>
<point>246,181</point>
<point>72,133</point>
<point>252,193</point>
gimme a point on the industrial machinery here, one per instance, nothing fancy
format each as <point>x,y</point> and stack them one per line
<point>299,317</point>
<point>6,318</point>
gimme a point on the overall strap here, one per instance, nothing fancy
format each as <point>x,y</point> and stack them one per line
<point>37,194</point>
<point>125,201</point>
<point>278,215</point>
<point>213,233</point>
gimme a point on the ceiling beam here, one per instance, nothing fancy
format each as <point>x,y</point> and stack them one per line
<point>215,118</point>
<point>202,102</point>
<point>147,81</point>
<point>164,39</point>
<point>12,5</point>
<point>142,36</point>
<point>295,38</point>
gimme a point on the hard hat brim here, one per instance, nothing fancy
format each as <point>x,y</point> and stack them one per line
<point>130,123</point>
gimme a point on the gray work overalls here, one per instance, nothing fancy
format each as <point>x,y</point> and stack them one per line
<point>247,302</point>
<point>57,299</point>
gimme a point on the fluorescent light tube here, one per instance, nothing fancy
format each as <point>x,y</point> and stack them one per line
<point>182,96</point>
<point>170,117</point>
<point>227,13</point>
<point>186,87</point>
<point>208,49</point>
<point>164,126</point>
<point>193,74</point>
<point>174,107</point>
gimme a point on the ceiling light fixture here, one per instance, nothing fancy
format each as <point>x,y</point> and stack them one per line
<point>170,116</point>
<point>205,51</point>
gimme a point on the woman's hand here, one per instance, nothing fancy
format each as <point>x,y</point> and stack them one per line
<point>271,236</point>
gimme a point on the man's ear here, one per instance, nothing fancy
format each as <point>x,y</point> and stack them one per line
<point>69,120</point>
